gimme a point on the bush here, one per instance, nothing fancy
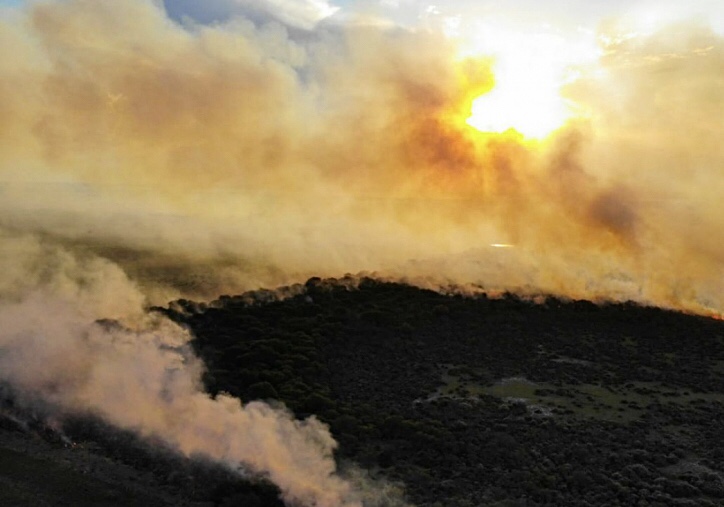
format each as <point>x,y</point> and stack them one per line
<point>262,391</point>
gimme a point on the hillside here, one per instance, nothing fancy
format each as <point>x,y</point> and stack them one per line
<point>464,400</point>
<point>481,401</point>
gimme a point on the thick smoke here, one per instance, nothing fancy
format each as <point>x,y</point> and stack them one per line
<point>139,373</point>
<point>215,158</point>
<point>142,159</point>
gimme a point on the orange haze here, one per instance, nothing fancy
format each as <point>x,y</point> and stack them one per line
<point>217,158</point>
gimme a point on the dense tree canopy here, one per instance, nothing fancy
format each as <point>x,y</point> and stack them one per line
<point>485,401</point>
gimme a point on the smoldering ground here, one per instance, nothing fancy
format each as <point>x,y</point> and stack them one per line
<point>143,160</point>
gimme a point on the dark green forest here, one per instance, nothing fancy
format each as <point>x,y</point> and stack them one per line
<point>471,400</point>
<point>461,400</point>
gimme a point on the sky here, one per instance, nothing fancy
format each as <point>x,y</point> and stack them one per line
<point>153,150</point>
<point>411,13</point>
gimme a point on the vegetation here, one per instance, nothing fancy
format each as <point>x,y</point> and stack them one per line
<point>468,401</point>
<point>481,401</point>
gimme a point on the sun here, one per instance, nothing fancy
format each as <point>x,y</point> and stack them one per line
<point>530,67</point>
<point>534,112</point>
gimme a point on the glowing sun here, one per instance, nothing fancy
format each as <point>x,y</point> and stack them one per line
<point>530,69</point>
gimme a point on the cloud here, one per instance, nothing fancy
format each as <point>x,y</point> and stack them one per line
<point>304,14</point>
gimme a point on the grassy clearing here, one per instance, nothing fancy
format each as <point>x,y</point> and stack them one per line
<point>611,403</point>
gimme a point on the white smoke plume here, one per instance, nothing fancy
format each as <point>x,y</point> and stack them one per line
<point>138,373</point>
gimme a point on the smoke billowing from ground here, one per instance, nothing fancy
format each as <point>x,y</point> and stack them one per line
<point>140,374</point>
<point>142,160</point>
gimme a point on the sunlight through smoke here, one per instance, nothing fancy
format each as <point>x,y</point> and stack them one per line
<point>531,65</point>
